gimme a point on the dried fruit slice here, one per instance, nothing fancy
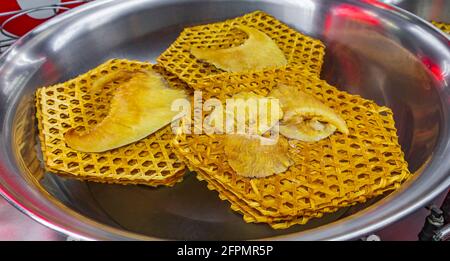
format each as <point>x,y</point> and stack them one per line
<point>139,107</point>
<point>121,75</point>
<point>246,113</point>
<point>306,118</point>
<point>249,157</point>
<point>259,51</point>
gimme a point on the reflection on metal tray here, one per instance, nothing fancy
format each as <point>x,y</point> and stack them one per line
<point>431,10</point>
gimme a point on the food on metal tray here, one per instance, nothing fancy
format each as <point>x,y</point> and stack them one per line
<point>84,102</point>
<point>305,117</point>
<point>250,157</point>
<point>360,162</point>
<point>240,35</point>
<point>140,106</point>
<point>333,149</point>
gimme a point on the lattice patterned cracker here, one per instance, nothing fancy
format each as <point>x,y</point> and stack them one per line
<point>299,49</point>
<point>336,172</point>
<point>250,214</point>
<point>150,161</point>
<point>443,26</point>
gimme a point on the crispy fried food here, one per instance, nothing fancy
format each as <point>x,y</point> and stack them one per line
<point>306,118</point>
<point>259,51</point>
<point>139,107</point>
<point>445,27</point>
<point>250,113</point>
<point>249,157</point>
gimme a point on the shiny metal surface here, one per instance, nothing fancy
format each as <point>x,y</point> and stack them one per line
<point>373,49</point>
<point>443,234</point>
<point>15,226</point>
<point>436,10</point>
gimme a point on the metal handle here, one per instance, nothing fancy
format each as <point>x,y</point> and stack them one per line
<point>443,234</point>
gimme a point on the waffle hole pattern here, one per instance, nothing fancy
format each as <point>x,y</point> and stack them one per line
<point>300,50</point>
<point>73,104</point>
<point>442,26</point>
<point>336,172</point>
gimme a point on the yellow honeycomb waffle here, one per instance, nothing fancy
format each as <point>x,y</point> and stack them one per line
<point>335,172</point>
<point>443,26</point>
<point>251,215</point>
<point>150,161</point>
<point>299,49</point>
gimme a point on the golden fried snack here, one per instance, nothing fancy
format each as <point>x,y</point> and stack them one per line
<point>139,107</point>
<point>305,117</point>
<point>443,26</point>
<point>250,157</point>
<point>298,49</point>
<point>257,52</point>
<point>75,104</point>
<point>250,214</point>
<point>332,173</point>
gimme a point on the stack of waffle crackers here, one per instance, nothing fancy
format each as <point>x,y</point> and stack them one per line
<point>150,161</point>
